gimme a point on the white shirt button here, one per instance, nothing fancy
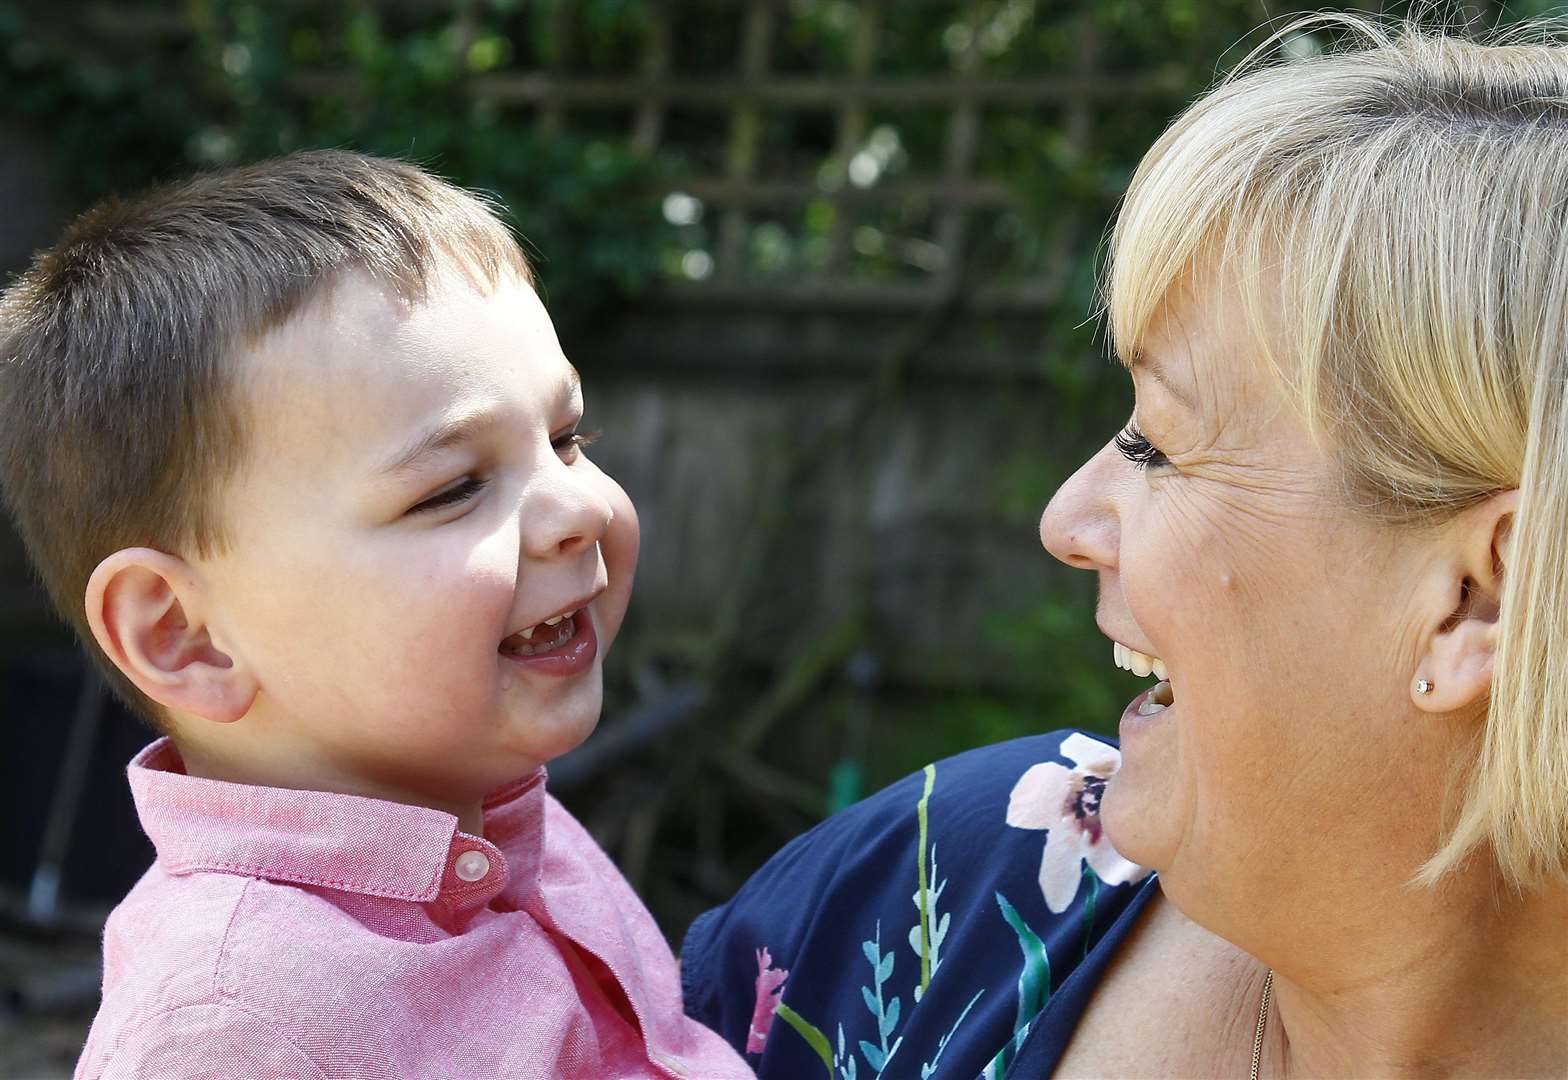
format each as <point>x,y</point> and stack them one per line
<point>472,865</point>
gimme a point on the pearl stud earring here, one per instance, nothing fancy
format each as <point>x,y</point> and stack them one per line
<point>1423,686</point>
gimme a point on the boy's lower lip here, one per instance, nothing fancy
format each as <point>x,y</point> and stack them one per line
<point>573,658</point>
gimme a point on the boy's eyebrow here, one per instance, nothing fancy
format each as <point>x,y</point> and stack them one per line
<point>459,428</point>
<point>449,432</point>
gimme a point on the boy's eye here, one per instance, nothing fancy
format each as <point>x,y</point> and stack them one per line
<point>1136,448</point>
<point>569,444</point>
<point>459,491</point>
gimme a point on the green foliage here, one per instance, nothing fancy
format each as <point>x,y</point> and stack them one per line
<point>261,79</point>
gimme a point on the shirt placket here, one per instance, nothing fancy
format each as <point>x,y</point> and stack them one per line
<point>476,872</point>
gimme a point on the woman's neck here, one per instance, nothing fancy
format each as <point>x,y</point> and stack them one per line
<point>1475,984</point>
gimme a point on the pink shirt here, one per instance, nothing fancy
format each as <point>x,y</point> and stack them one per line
<point>304,934</point>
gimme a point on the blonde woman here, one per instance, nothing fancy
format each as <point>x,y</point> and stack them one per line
<point>1335,531</point>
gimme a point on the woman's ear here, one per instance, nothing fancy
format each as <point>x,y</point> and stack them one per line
<point>1456,669</point>
<point>147,614</point>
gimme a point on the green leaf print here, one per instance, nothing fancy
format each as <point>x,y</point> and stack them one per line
<point>814,1037</point>
<point>925,894</point>
<point>1088,906</point>
<point>1034,981</point>
<point>884,1009</point>
<point>933,924</point>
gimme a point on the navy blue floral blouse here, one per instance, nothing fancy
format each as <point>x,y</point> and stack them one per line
<point>952,925</point>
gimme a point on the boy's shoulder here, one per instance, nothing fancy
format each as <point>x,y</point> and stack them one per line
<point>167,936</point>
<point>164,994</point>
<point>229,974</point>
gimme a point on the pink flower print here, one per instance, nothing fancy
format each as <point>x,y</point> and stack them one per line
<point>770,985</point>
<point>1066,803</point>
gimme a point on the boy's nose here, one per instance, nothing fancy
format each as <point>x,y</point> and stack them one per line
<point>563,517</point>
<point>1080,525</point>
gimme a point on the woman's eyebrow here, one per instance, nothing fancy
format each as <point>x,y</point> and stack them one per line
<point>1142,361</point>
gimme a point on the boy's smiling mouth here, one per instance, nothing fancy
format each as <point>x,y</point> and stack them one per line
<point>542,637</point>
<point>561,644</point>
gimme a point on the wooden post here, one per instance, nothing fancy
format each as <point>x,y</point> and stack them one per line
<point>852,129</point>
<point>649,125</point>
<point>745,135</point>
<point>1078,127</point>
<point>963,131</point>
<point>552,113</point>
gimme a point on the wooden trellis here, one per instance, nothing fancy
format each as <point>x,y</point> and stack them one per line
<point>753,91</point>
<point>546,86</point>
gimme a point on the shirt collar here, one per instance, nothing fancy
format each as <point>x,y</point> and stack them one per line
<point>345,842</point>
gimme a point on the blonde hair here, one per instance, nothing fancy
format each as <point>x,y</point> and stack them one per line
<point>1415,191</point>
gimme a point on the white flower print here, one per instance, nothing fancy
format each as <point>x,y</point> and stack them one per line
<point>1066,803</point>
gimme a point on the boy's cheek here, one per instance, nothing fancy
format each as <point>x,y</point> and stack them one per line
<point>619,546</point>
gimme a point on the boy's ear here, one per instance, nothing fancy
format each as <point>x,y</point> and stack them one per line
<point>147,613</point>
<point>1462,645</point>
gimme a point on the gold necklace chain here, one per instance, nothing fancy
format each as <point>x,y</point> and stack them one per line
<point>1263,1016</point>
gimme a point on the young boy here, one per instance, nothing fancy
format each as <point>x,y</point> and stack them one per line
<point>295,449</point>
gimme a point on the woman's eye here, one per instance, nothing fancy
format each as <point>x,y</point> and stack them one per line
<point>569,444</point>
<point>1136,448</point>
<point>459,492</point>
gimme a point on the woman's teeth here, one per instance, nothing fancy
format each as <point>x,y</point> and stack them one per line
<point>1161,696</point>
<point>1138,663</point>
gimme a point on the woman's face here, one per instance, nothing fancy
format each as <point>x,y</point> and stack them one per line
<point>1288,626</point>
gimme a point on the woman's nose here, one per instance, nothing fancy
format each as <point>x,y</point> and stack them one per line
<point>1080,524</point>
<point>563,514</point>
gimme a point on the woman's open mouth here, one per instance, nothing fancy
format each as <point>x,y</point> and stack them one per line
<point>1157,698</point>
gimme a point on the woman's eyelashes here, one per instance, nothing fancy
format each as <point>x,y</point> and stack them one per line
<point>1136,448</point>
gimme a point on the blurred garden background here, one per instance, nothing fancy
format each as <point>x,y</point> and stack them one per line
<point>827,268</point>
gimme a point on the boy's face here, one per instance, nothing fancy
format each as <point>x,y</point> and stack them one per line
<point>413,499</point>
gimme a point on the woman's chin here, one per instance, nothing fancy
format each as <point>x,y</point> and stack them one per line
<point>1137,824</point>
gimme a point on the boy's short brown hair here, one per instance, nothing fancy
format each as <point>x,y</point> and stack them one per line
<point>119,420</point>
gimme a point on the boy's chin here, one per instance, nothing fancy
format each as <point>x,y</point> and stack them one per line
<point>565,724</point>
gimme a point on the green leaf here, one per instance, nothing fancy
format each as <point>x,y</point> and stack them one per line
<point>921,815</point>
<point>1034,980</point>
<point>814,1037</point>
<point>871,1001</point>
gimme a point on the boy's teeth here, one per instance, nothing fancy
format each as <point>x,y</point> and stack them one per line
<point>1159,670</point>
<point>527,635</point>
<point>527,646</point>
